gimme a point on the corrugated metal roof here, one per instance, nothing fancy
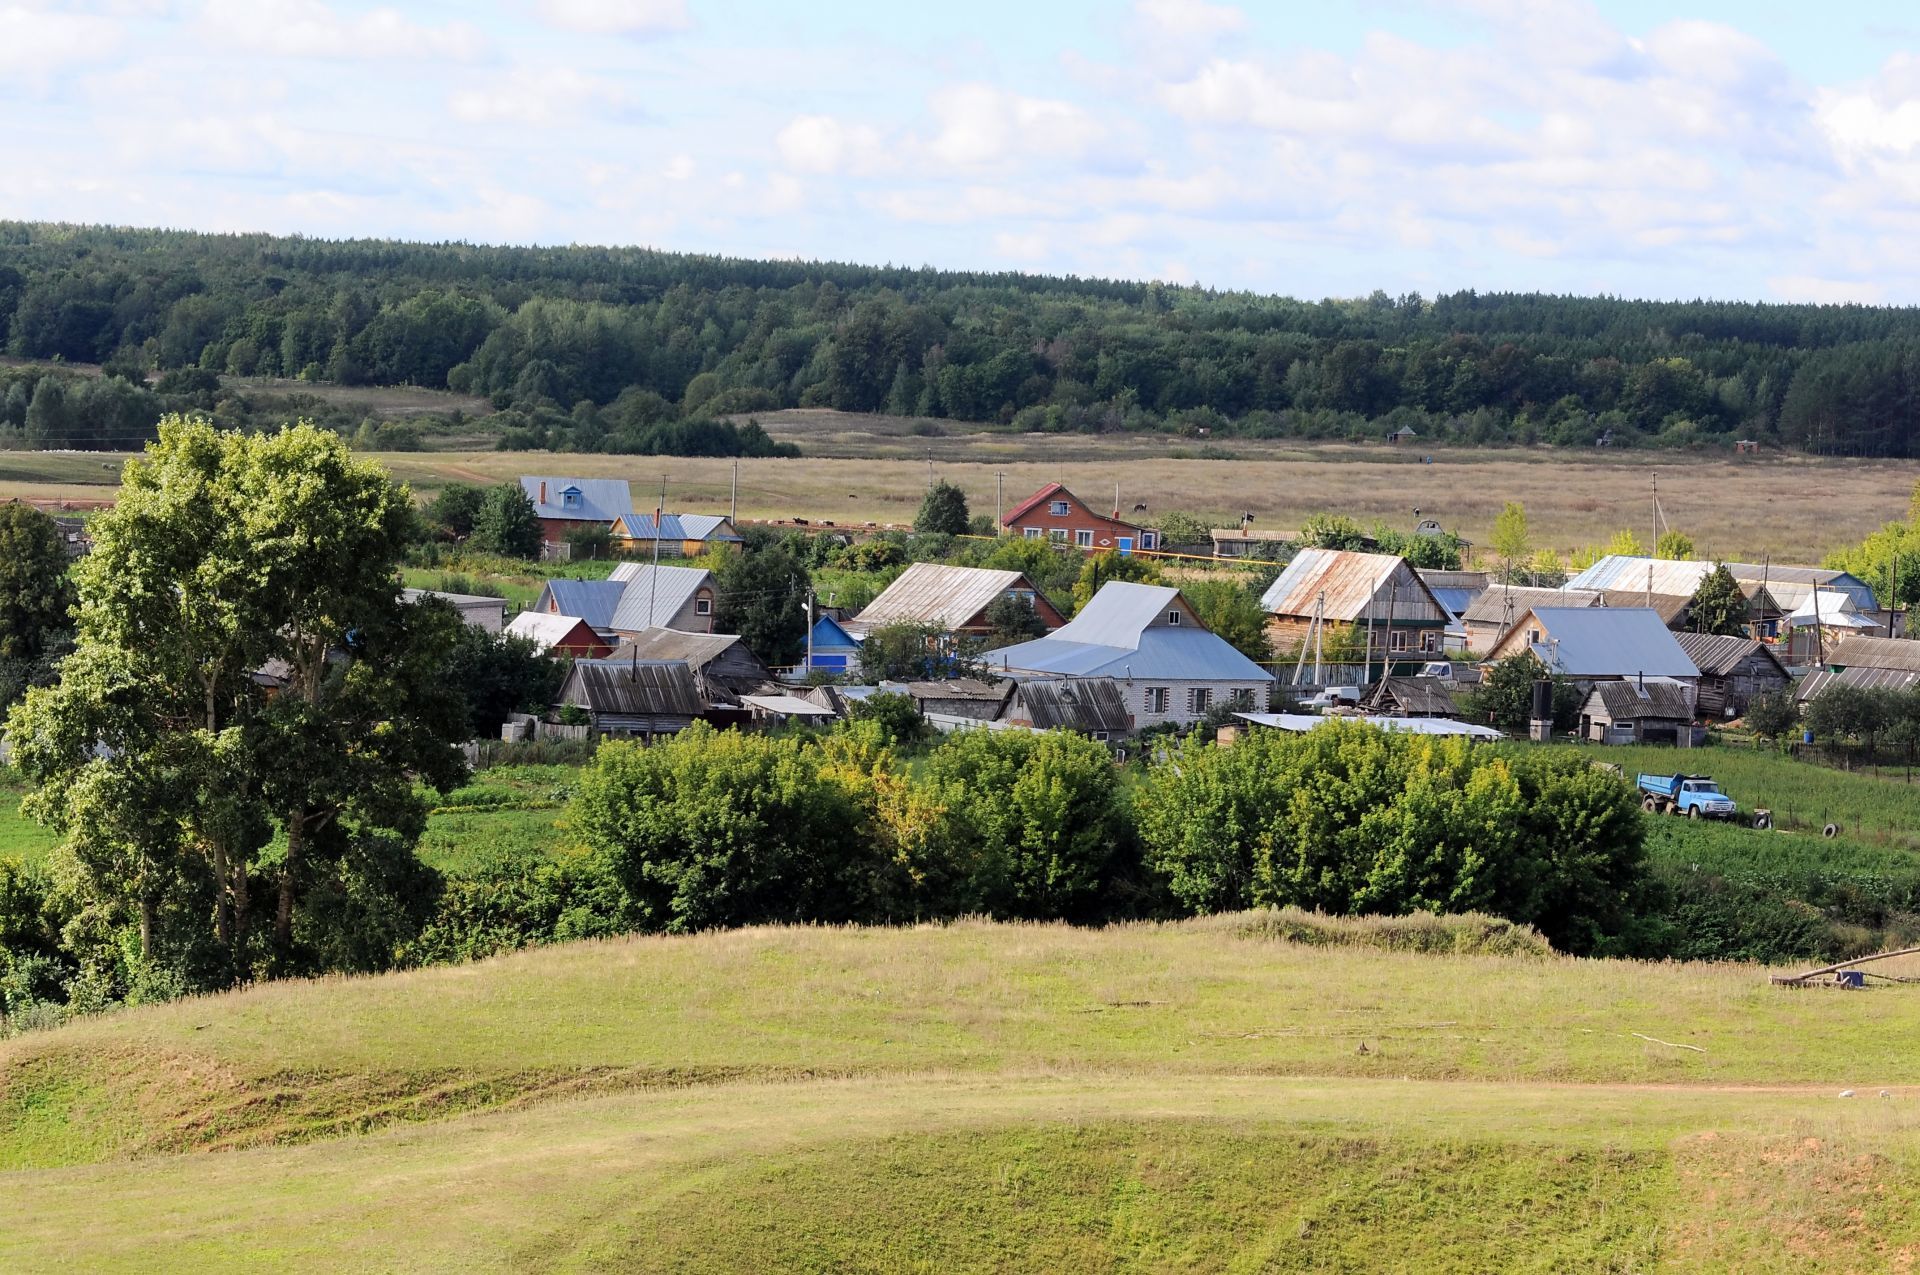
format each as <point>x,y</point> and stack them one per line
<point>787,705</point>
<point>1669,606</point>
<point>1351,580</point>
<point>1119,613</point>
<point>1492,607</point>
<point>1301,722</point>
<point>1623,571</point>
<point>697,649</point>
<point>1164,654</point>
<point>1413,696</point>
<point>651,596</point>
<point>1719,654</point>
<point>679,527</point>
<point>542,629</point>
<point>1608,642</point>
<point>930,593</point>
<point>1859,675</point>
<point>1862,651</point>
<point>1084,704</point>
<point>1630,700</point>
<point>601,499</point>
<point>1787,585</point>
<point>592,600</point>
<point>658,688</point>
<point>458,600</point>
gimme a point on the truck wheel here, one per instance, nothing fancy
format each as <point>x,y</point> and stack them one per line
<point>1831,831</point>
<point>1693,812</point>
<point>1649,805</point>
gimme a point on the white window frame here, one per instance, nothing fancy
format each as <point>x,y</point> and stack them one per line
<point>1083,539</point>
<point>703,606</point>
<point>1159,700</point>
<point>1032,533</point>
<point>1149,540</point>
<point>1173,618</point>
<point>1059,509</point>
<point>1057,534</point>
<point>1397,640</point>
<point>1427,642</point>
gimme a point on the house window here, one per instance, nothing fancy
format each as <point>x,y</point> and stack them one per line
<point>1159,698</point>
<point>1058,509</point>
<point>1398,641</point>
<point>1173,618</point>
<point>703,606</point>
<point>1084,539</point>
<point>1533,637</point>
<point>1243,697</point>
<point>1021,595</point>
<point>1199,699</point>
<point>1149,540</point>
<point>1058,535</point>
<point>1032,533</point>
<point>1100,736</point>
<point>570,498</point>
<point>1428,643</point>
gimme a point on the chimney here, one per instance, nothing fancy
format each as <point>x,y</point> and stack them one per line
<point>543,491</point>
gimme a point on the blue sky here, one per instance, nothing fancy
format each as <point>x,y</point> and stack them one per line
<point>1761,150</point>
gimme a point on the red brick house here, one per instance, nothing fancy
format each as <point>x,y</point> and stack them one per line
<point>1056,514</point>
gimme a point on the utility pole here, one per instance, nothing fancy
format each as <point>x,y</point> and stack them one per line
<point>999,500</point>
<point>653,576</point>
<point>808,668</point>
<point>929,469</point>
<point>733,502</point>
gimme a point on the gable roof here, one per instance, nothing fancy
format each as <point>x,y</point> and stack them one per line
<point>1787,585</point>
<point>1050,492</point>
<point>651,596</point>
<point>1413,696</point>
<point>1115,635</point>
<point>830,634</point>
<point>1862,651</point>
<point>1491,606</point>
<point>1719,654</point>
<point>1350,579</point>
<point>930,593</point>
<point>1088,703</point>
<point>696,650</point>
<point>1606,642</point>
<point>601,499</point>
<point>714,527</point>
<point>547,631</point>
<point>1669,606</point>
<point>661,688</point>
<point>592,600</point>
<point>1858,675</point>
<point>1629,700</point>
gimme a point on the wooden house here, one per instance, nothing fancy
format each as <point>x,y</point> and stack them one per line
<point>626,697</point>
<point>1643,711</point>
<point>1337,597</point>
<point>1092,706</point>
<point>1056,514</point>
<point>1412,697</point>
<point>1493,613</point>
<point>679,535</point>
<point>954,600</point>
<point>1732,671</point>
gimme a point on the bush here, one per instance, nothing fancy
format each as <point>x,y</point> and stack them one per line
<point>1446,934</point>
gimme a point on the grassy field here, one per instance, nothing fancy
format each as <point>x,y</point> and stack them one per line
<point>21,839</point>
<point>860,470</point>
<point>975,1097</point>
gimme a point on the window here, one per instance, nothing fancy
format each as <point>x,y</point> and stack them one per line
<point>1149,540</point>
<point>1398,641</point>
<point>1100,736</point>
<point>1059,509</point>
<point>1058,535</point>
<point>1428,642</point>
<point>1159,698</point>
<point>1021,595</point>
<point>703,606</point>
<point>1533,637</point>
<point>1199,699</point>
<point>570,498</point>
<point>1173,618</point>
<point>1243,697</point>
<point>1084,539</point>
<point>1032,533</point>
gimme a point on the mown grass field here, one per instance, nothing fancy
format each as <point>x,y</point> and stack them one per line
<point>858,469</point>
<point>21,839</point>
<point>975,1097</point>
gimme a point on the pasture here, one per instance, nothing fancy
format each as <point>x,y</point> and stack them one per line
<point>974,1096</point>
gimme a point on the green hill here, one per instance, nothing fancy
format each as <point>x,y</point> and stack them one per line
<point>1034,1097</point>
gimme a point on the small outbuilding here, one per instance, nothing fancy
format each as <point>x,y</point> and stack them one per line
<point>1650,710</point>
<point>1091,706</point>
<point>634,697</point>
<point>1733,670</point>
<point>559,635</point>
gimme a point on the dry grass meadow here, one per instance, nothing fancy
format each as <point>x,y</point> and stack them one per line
<point>856,470</point>
<point>1196,1096</point>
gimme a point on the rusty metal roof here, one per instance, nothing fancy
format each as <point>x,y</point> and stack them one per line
<point>652,688</point>
<point>1353,583</point>
<point>1084,703</point>
<point>930,593</point>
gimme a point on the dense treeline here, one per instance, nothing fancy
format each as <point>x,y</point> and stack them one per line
<point>589,348</point>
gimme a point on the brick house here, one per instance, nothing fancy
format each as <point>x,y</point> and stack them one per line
<point>1056,514</point>
<point>564,505</point>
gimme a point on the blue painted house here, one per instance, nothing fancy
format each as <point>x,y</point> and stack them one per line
<point>834,649</point>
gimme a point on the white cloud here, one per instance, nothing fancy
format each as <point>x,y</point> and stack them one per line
<point>618,17</point>
<point>309,28</point>
<point>538,98</point>
<point>825,145</point>
<point>36,43</point>
<point>979,124</point>
<point>1190,18</point>
<point>1812,288</point>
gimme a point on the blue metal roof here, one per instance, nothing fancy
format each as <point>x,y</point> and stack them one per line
<point>1609,642</point>
<point>592,600</point>
<point>1175,655</point>
<point>599,499</point>
<point>829,636</point>
<point>1456,601</point>
<point>681,527</point>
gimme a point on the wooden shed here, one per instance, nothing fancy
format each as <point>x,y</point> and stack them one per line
<point>1732,671</point>
<point>1643,711</point>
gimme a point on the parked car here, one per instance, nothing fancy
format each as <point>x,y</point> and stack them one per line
<point>1333,697</point>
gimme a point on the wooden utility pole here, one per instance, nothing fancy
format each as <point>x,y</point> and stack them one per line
<point>733,502</point>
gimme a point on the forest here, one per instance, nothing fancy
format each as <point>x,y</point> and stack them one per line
<point>635,350</point>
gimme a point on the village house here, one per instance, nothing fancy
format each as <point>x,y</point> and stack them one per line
<point>952,599</point>
<point>1653,710</point>
<point>1732,671</point>
<point>1598,644</point>
<point>1340,598</point>
<point>1092,706</point>
<point>637,596</point>
<point>965,699</point>
<point>562,636</point>
<point>1412,697</point>
<point>831,649</point>
<point>1244,542</point>
<point>723,666</point>
<point>1492,615</point>
<point>1171,668</point>
<point>1872,663</point>
<point>489,614</point>
<point>1773,590</point>
<point>1056,514</point>
<point>626,697</point>
<point>566,505</point>
<point>678,535</point>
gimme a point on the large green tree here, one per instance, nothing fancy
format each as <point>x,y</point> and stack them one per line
<point>1718,604</point>
<point>763,598</point>
<point>35,595</point>
<point>249,703</point>
<point>944,510</point>
<point>506,523</point>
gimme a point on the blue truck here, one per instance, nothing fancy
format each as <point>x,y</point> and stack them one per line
<point>1695,796</point>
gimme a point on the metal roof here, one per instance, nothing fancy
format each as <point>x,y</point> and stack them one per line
<point>1163,654</point>
<point>967,688</point>
<point>1351,580</point>
<point>543,629</point>
<point>1120,612</point>
<point>931,593</point>
<point>1630,700</point>
<point>1787,585</point>
<point>1718,654</point>
<point>1862,651</point>
<point>1088,703</point>
<point>601,499</point>
<point>787,705</point>
<point>1858,675</point>
<point>1300,722</point>
<point>1829,609</point>
<point>592,600</point>
<point>460,601</point>
<point>1608,642</point>
<point>697,650</point>
<point>651,596</point>
<point>1670,606</point>
<point>1661,575</point>
<point>1491,606</point>
<point>650,688</point>
<point>679,527</point>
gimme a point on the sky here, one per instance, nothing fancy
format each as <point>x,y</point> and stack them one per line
<point>1757,150</point>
